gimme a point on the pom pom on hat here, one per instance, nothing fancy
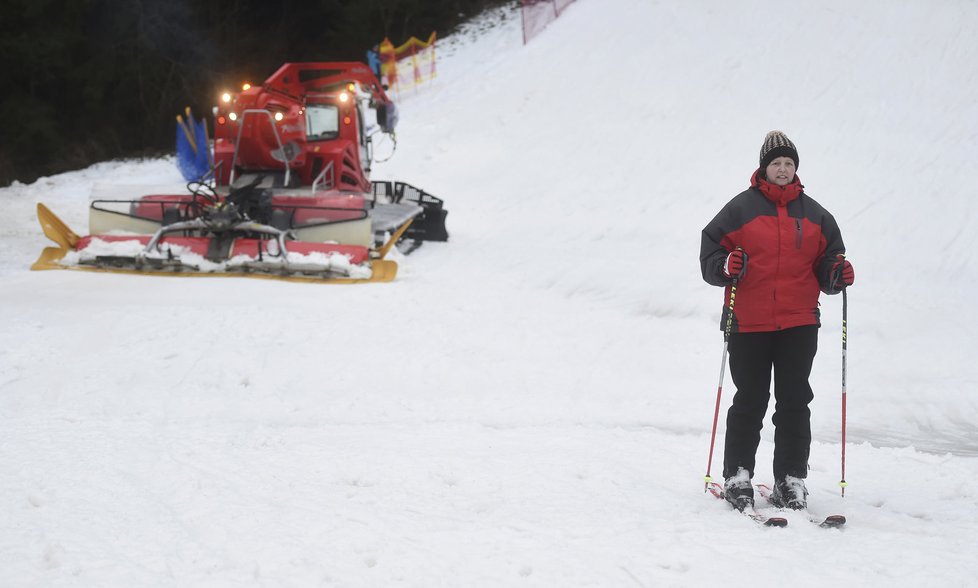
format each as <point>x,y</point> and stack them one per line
<point>777,144</point>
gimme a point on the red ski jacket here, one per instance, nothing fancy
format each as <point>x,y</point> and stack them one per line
<point>791,243</point>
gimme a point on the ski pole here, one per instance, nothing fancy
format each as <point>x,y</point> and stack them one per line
<point>845,309</point>
<point>723,364</point>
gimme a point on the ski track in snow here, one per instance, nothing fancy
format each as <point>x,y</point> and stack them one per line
<point>528,404</point>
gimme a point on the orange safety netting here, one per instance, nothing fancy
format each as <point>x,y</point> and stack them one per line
<point>408,65</point>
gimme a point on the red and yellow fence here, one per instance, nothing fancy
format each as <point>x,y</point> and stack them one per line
<point>409,65</point>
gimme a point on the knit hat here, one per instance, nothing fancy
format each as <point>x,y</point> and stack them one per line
<point>777,144</point>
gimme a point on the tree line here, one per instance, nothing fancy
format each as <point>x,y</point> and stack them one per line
<point>91,80</point>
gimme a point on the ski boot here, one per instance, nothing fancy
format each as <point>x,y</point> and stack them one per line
<point>738,491</point>
<point>790,492</point>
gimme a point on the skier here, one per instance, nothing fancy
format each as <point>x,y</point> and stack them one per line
<point>778,248</point>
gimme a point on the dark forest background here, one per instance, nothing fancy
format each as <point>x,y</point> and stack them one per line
<point>92,80</point>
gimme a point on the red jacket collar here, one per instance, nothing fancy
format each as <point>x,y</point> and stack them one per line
<point>778,194</point>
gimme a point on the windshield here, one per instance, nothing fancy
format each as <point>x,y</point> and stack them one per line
<point>322,121</point>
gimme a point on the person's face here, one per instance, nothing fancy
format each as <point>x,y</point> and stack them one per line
<point>781,171</point>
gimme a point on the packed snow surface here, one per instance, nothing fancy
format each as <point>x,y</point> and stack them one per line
<point>530,404</point>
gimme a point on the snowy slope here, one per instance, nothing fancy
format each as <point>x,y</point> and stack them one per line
<point>529,404</point>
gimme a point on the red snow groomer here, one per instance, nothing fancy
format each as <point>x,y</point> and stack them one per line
<point>289,197</point>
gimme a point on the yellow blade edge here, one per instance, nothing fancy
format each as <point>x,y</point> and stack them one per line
<point>55,229</point>
<point>383,271</point>
<point>58,232</point>
<point>49,259</point>
<point>385,249</point>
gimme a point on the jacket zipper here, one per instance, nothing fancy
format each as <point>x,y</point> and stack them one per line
<point>797,233</point>
<point>782,213</point>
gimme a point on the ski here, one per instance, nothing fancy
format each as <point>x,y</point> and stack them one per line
<point>829,522</point>
<point>759,518</point>
<point>764,520</point>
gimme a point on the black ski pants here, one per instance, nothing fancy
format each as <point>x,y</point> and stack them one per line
<point>752,356</point>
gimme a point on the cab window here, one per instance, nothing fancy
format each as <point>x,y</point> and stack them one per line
<point>322,121</point>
